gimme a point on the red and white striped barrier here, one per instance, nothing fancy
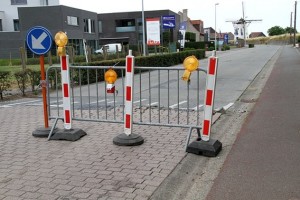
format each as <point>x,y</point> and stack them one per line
<point>65,79</point>
<point>209,97</point>
<point>128,138</point>
<point>128,94</point>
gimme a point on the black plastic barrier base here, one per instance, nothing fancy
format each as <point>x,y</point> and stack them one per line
<point>70,135</point>
<point>209,148</point>
<point>125,140</point>
<point>41,132</point>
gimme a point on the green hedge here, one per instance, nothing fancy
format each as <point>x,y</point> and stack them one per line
<point>199,45</point>
<point>162,60</point>
<point>31,78</point>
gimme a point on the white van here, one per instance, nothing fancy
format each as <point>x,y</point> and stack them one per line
<point>110,48</point>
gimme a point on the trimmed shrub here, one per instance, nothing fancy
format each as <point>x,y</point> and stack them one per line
<point>4,82</point>
<point>22,77</point>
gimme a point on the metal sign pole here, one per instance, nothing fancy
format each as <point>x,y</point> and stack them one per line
<point>44,90</point>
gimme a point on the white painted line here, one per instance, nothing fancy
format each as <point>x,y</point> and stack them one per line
<point>5,106</point>
<point>25,102</point>
<point>176,105</point>
<point>139,101</point>
<point>98,101</point>
<point>56,101</point>
<point>60,105</point>
<point>152,104</point>
<point>198,107</point>
<point>34,104</point>
<point>227,106</point>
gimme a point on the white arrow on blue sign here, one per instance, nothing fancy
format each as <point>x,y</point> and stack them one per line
<point>39,40</point>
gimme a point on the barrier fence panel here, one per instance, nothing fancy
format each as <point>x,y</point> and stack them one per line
<point>157,95</point>
<point>160,97</point>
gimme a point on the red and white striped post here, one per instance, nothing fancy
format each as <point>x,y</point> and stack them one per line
<point>128,94</point>
<point>209,97</point>
<point>128,138</point>
<point>65,80</point>
<point>207,146</point>
<point>68,133</point>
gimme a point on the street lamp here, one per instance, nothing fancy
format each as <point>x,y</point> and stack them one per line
<point>143,19</point>
<point>216,26</point>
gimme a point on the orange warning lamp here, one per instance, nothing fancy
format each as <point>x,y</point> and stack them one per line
<point>190,64</point>
<point>110,77</point>
<point>61,40</point>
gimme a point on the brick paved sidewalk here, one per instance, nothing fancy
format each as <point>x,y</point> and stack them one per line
<point>90,168</point>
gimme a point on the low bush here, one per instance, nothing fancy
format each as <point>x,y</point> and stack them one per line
<point>4,82</point>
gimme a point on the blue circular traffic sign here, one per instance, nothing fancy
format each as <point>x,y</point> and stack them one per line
<point>39,40</point>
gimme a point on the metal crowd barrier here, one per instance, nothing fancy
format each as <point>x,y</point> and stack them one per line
<point>160,97</point>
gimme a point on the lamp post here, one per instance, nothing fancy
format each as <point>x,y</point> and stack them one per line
<point>216,26</point>
<point>143,19</point>
<point>295,16</point>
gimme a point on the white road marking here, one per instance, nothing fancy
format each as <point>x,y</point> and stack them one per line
<point>176,105</point>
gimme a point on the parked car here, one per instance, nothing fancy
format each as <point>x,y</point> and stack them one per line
<point>110,48</point>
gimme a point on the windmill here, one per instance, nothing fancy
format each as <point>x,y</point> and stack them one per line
<point>241,25</point>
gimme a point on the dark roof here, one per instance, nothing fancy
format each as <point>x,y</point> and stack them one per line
<point>257,34</point>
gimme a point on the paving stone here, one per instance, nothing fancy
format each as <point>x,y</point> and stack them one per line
<point>31,195</point>
<point>90,168</point>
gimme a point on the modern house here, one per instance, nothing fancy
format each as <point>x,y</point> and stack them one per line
<point>9,16</point>
<point>127,27</point>
<point>83,27</point>
<point>10,35</point>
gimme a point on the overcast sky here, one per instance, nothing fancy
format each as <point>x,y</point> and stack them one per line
<point>271,12</point>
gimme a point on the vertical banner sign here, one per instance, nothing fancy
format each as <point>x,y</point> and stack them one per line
<point>153,31</point>
<point>207,34</point>
<point>226,38</point>
<point>168,21</point>
<point>182,30</point>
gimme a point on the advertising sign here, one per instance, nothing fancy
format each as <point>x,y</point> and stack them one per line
<point>168,21</point>
<point>153,31</point>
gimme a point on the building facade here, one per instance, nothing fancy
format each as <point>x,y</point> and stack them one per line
<point>9,18</point>
<point>82,27</point>
<point>127,27</point>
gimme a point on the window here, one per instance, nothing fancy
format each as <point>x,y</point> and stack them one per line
<point>93,29</point>
<point>18,2</point>
<point>100,26</point>
<point>72,20</point>
<point>1,29</point>
<point>125,22</point>
<point>125,25</point>
<point>89,26</point>
<point>85,25</point>
<point>16,25</point>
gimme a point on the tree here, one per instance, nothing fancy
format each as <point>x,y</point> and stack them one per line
<point>289,30</point>
<point>276,30</point>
